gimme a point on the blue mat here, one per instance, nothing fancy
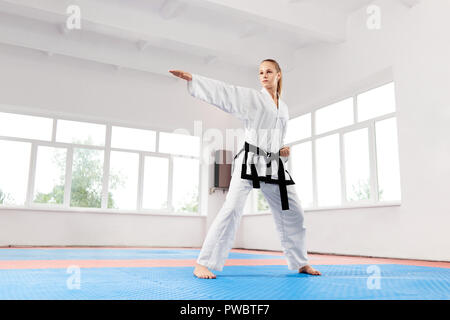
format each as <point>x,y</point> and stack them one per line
<point>114,254</point>
<point>233,282</point>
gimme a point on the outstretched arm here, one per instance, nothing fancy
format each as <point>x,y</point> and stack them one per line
<point>229,98</point>
<point>181,74</point>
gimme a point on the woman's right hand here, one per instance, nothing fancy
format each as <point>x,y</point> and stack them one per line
<point>181,74</point>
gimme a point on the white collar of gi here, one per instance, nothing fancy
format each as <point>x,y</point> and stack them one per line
<point>264,90</point>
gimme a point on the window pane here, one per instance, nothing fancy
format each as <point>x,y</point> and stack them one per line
<point>156,180</point>
<point>14,167</point>
<point>87,173</point>
<point>185,184</point>
<point>50,175</point>
<point>301,163</point>
<point>179,144</point>
<point>387,160</point>
<point>80,133</point>
<point>123,180</point>
<point>357,166</point>
<point>334,116</point>
<point>28,127</point>
<point>129,138</point>
<point>328,171</point>
<point>298,128</point>
<point>376,102</point>
<point>261,202</point>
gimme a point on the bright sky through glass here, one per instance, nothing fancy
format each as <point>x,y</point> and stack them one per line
<point>156,177</point>
<point>80,132</point>
<point>48,171</point>
<point>357,167</point>
<point>328,171</point>
<point>136,139</point>
<point>376,102</point>
<point>14,168</point>
<point>301,162</point>
<point>181,144</point>
<point>334,116</point>
<point>298,128</point>
<point>126,166</point>
<point>28,127</point>
<point>387,160</point>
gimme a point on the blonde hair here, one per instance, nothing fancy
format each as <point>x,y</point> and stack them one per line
<point>280,81</point>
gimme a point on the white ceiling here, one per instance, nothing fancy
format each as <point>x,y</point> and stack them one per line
<point>151,35</point>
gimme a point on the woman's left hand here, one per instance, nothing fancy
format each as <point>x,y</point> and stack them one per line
<point>284,152</point>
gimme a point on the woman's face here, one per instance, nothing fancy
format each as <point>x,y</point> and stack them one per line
<point>268,75</point>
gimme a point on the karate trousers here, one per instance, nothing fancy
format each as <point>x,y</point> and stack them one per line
<point>289,223</point>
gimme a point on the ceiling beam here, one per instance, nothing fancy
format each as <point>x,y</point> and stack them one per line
<point>410,3</point>
<point>146,30</point>
<point>303,17</point>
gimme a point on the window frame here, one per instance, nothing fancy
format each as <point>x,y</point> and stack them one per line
<point>107,149</point>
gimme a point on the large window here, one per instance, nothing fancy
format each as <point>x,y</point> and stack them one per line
<point>60,163</point>
<point>345,154</point>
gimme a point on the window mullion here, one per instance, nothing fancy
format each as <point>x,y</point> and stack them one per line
<point>68,178</point>
<point>170,205</point>
<point>140,186</point>
<point>31,175</point>
<point>373,163</point>
<point>342,169</point>
<point>314,164</point>
<point>106,165</point>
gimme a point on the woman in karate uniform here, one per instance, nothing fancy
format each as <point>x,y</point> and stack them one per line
<point>259,164</point>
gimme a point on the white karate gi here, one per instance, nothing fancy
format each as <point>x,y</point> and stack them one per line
<point>265,128</point>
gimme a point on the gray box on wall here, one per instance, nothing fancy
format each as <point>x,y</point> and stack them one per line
<point>222,168</point>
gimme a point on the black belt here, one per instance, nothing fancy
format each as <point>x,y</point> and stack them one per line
<point>268,178</point>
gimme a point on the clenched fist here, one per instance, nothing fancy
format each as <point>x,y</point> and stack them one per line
<point>284,152</point>
<point>181,74</point>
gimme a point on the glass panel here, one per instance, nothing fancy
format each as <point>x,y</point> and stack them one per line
<point>28,127</point>
<point>185,184</point>
<point>387,160</point>
<point>87,173</point>
<point>50,175</point>
<point>156,181</point>
<point>357,165</point>
<point>179,144</point>
<point>261,203</point>
<point>123,180</point>
<point>334,116</point>
<point>328,171</point>
<point>80,132</point>
<point>298,128</point>
<point>376,102</point>
<point>301,163</point>
<point>14,168</point>
<point>136,139</point>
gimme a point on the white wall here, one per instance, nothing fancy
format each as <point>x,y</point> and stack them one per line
<point>32,81</point>
<point>413,43</point>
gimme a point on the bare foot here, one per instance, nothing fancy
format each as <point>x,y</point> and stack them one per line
<point>202,272</point>
<point>309,270</point>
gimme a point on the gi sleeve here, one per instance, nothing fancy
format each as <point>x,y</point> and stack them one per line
<point>229,98</point>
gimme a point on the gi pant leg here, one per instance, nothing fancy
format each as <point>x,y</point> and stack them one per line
<point>289,224</point>
<point>222,232</point>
